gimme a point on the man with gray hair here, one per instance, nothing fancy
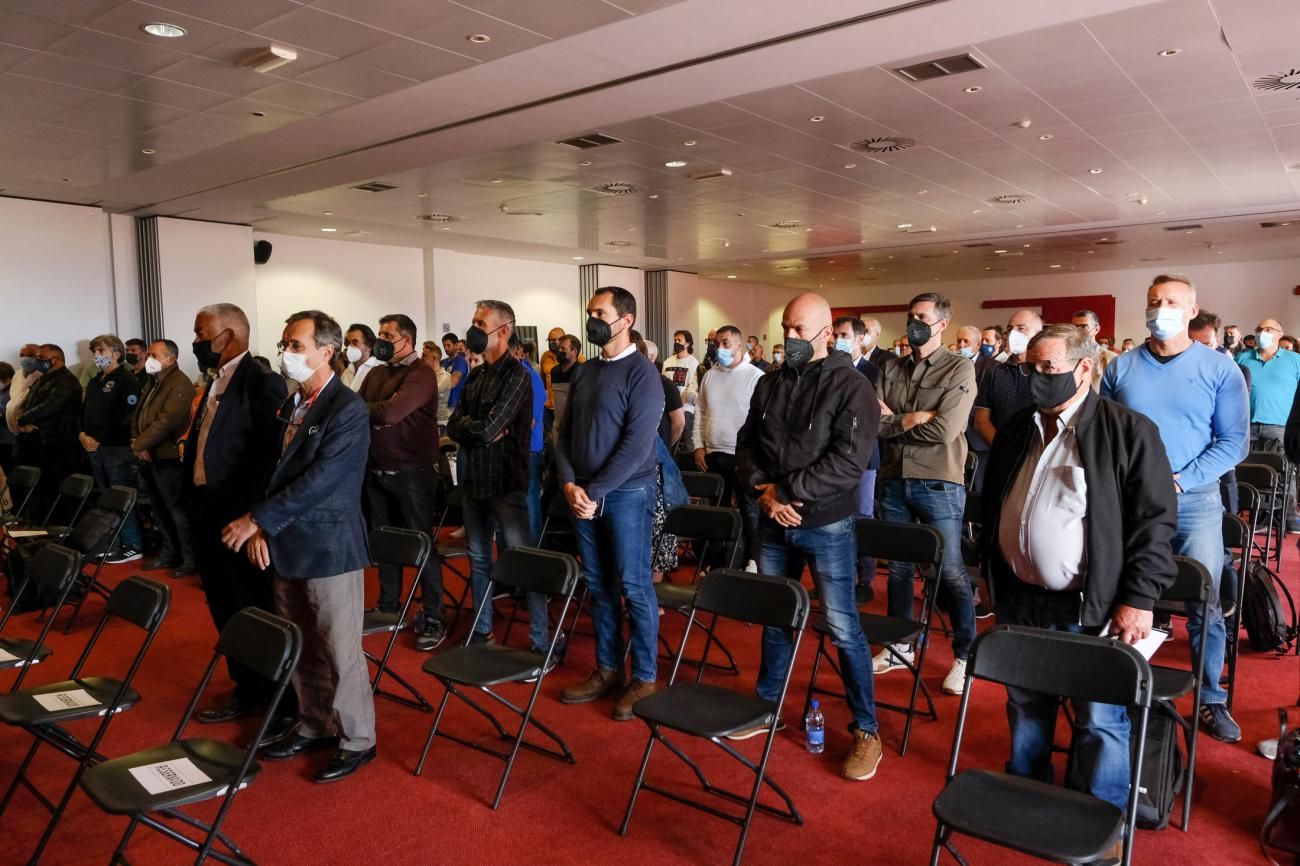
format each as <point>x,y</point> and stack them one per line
<point>871,345</point>
<point>1090,323</point>
<point>156,433</point>
<point>111,400</point>
<point>1077,538</point>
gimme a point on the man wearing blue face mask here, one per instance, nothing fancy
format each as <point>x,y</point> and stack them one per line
<point>1274,376</point>
<point>968,342</point>
<point>1198,401</point>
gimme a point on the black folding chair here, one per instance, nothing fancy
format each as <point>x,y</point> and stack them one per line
<point>44,710</point>
<point>1192,586</point>
<point>1268,508</point>
<point>486,667</point>
<point>153,785</point>
<point>709,527</point>
<point>19,485</point>
<point>403,548</point>
<point>447,551</point>
<point>1026,815</point>
<point>1236,538</point>
<point>558,536</point>
<point>913,543</point>
<point>704,487</point>
<point>72,494</point>
<point>94,539</point>
<point>711,713</point>
<point>50,573</point>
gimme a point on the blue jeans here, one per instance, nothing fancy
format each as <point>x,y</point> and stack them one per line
<point>535,461</point>
<point>615,551</point>
<point>482,517</point>
<point>1101,731</point>
<point>941,504</point>
<point>831,552</point>
<point>1200,537</point>
<point>113,465</point>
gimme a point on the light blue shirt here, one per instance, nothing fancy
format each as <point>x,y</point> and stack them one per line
<point>1272,386</point>
<point>1198,402</point>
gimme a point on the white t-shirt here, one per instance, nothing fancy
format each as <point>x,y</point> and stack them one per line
<point>681,372</point>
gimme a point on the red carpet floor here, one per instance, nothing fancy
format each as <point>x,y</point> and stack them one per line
<point>559,813</point>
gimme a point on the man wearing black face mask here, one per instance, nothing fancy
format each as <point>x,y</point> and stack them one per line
<point>1080,518</point>
<point>48,424</point>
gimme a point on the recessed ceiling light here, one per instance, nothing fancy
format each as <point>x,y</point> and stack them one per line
<point>497,180</point>
<point>166,31</point>
<point>148,151</point>
<point>631,228</point>
<point>327,213</point>
<point>675,163</point>
<point>1020,226</point>
<point>656,195</point>
<point>690,142</point>
<point>257,114</point>
<point>922,191</point>
<point>1161,213</point>
<point>1053,266</point>
<point>585,163</point>
<point>577,258</point>
<point>817,118</point>
<point>1090,252</point>
<point>1095,170</point>
<point>731,276</point>
<point>998,252</point>
<point>329,230</point>
<point>855,165</point>
<point>974,89</point>
<point>988,269</point>
<point>977,210</point>
<point>1047,136</point>
<point>904,225</point>
<point>1189,231</point>
<point>1170,52</point>
<point>479,38</point>
<point>421,195</point>
<point>66,179</point>
<point>739,214</point>
<point>1026,245</point>
<point>808,229</point>
<point>445,228</point>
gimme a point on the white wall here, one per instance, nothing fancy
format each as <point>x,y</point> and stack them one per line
<point>353,282</point>
<point>699,305</point>
<point>56,277</point>
<point>543,294</point>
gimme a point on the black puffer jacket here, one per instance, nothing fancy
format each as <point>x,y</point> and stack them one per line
<point>812,432</point>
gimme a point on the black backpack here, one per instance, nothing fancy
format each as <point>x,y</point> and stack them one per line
<point>1269,628</point>
<point>1281,828</point>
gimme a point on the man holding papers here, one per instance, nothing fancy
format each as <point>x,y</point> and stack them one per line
<point>1081,513</point>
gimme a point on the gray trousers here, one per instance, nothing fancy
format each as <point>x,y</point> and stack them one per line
<point>331,681</point>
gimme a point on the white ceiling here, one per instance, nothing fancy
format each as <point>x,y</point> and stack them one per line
<point>1210,134</point>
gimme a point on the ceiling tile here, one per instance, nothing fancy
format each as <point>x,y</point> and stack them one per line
<point>554,18</point>
<point>353,78</point>
<point>239,14</point>
<point>453,34</point>
<point>395,16</point>
<point>65,70</point>
<point>113,51</point>
<point>302,97</point>
<point>172,93</point>
<point>74,12</point>
<point>223,77</point>
<point>323,32</point>
<point>19,109</point>
<point>411,59</point>
<point>230,52</point>
<point>127,19</point>
<point>38,90</point>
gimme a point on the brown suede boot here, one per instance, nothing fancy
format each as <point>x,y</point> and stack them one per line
<point>600,683</point>
<point>637,690</point>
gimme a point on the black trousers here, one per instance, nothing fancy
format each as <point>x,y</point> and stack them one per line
<point>724,464</point>
<point>231,583</point>
<point>57,461</point>
<point>405,499</point>
<point>162,479</point>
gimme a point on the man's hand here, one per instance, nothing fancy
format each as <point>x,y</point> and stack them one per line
<point>1130,624</point>
<point>772,506</point>
<point>88,443</point>
<point>581,505</point>
<point>701,463</point>
<point>884,410</point>
<point>239,531</point>
<point>142,456</point>
<point>916,419</point>
<point>259,552</point>
<point>27,428</point>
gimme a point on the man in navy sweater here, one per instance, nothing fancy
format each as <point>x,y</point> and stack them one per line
<point>605,457</point>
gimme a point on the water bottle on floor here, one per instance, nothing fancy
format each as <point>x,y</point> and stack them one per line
<point>815,725</point>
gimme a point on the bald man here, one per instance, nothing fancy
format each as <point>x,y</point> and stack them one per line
<point>1275,374</point>
<point>1004,391</point>
<point>232,448</point>
<point>807,440</point>
<point>871,347</point>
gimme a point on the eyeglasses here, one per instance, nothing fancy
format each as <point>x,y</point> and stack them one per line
<point>296,347</point>
<point>1044,367</point>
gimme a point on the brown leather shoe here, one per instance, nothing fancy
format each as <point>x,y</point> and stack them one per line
<point>864,758</point>
<point>637,690</point>
<point>600,683</point>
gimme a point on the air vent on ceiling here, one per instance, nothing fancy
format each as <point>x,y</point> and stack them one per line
<point>1011,198</point>
<point>374,186</point>
<point>1187,228</point>
<point>954,65</point>
<point>933,256</point>
<point>716,174</point>
<point>617,187</point>
<point>791,269</point>
<point>785,224</point>
<point>618,244</point>
<point>437,218</point>
<point>883,144</point>
<point>1108,242</point>
<point>1289,80</point>
<point>1274,225</point>
<point>1152,259</point>
<point>587,142</point>
<point>976,246</point>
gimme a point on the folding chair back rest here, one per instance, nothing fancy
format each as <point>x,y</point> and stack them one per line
<point>1247,496</point>
<point>21,483</point>
<point>404,547</point>
<point>1082,667</point>
<point>704,523</point>
<point>263,642</point>
<point>1257,475</point>
<point>117,499</point>
<point>1236,534</point>
<point>139,601</point>
<point>758,599</point>
<point>900,542</point>
<point>1192,583</point>
<point>1274,460</point>
<point>704,485</point>
<point>52,570</point>
<point>533,570</point>
<point>93,531</point>
<point>75,489</point>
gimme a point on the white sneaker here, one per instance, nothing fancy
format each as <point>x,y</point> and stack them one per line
<point>752,567</point>
<point>955,682</point>
<point>458,532</point>
<point>1267,749</point>
<point>885,661</point>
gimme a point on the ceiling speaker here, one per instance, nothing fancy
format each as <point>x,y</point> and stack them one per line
<point>261,252</point>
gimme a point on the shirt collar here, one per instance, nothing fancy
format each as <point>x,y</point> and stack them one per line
<point>631,348</point>
<point>407,361</point>
<point>1065,417</point>
<point>228,368</point>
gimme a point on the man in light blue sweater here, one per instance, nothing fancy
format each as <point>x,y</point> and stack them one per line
<point>1197,398</point>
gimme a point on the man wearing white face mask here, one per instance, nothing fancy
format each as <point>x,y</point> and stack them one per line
<point>358,351</point>
<point>155,440</point>
<point>1003,391</point>
<point>1198,401</point>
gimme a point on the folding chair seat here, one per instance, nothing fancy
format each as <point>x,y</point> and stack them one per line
<point>50,573</point>
<point>912,543</point>
<point>709,712</point>
<point>484,667</point>
<point>19,485</point>
<point>93,535</point>
<point>710,527</point>
<point>1036,818</point>
<point>706,487</point>
<point>404,548</point>
<point>43,711</point>
<point>1236,538</point>
<point>152,785</point>
<point>71,497</point>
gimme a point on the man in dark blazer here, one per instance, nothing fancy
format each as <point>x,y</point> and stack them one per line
<point>233,444</point>
<point>309,531</point>
<point>871,345</point>
<point>48,424</point>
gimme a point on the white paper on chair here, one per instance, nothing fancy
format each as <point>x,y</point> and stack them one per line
<point>169,775</point>
<point>27,533</point>
<point>72,699</point>
<point>1148,645</point>
<point>9,657</point>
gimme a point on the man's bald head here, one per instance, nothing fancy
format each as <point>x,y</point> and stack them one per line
<point>554,334</point>
<point>28,350</point>
<point>1027,322</point>
<point>808,317</point>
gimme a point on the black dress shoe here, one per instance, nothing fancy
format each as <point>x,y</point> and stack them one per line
<point>279,729</point>
<point>344,764</point>
<point>185,569</point>
<point>235,708</point>
<point>292,747</point>
<point>162,563</point>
